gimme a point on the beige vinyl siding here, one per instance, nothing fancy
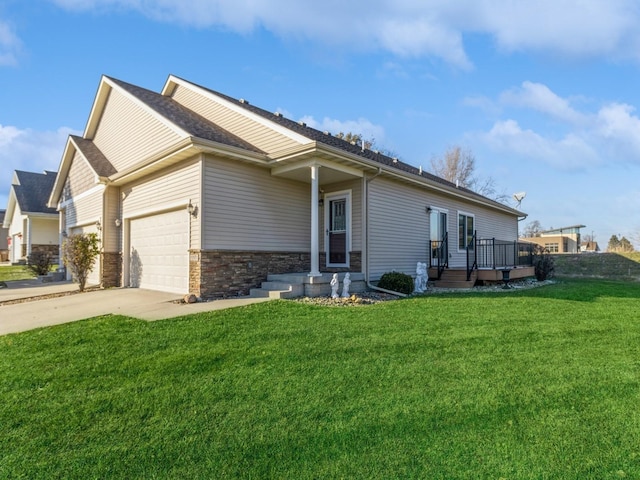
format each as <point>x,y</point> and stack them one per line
<point>112,234</point>
<point>355,187</point>
<point>248,209</point>
<point>44,231</point>
<point>166,190</point>
<point>84,210</point>
<point>251,131</point>
<point>399,226</point>
<point>125,146</point>
<point>80,178</point>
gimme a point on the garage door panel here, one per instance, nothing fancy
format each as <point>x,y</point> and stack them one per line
<point>159,252</point>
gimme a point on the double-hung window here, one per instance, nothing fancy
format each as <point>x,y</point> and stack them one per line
<point>466,226</point>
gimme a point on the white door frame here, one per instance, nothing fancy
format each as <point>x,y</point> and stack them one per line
<point>328,199</point>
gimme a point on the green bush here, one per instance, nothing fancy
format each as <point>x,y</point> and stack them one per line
<point>543,263</point>
<point>397,282</point>
<point>39,263</point>
<point>79,254</point>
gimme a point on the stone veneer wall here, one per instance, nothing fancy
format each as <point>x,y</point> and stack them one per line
<point>355,263</point>
<point>229,273</point>
<point>52,250</point>
<point>111,263</point>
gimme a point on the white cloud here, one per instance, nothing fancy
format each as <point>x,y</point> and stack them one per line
<point>618,124</point>
<point>577,139</point>
<point>29,150</point>
<point>10,45</point>
<point>571,152</point>
<point>540,98</point>
<point>362,126</point>
<point>414,28</point>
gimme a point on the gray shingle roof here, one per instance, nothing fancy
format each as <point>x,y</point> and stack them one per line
<point>33,190</point>
<point>186,119</point>
<point>328,139</point>
<point>100,164</point>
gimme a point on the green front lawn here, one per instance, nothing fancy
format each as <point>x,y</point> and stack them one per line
<point>543,383</point>
<point>15,272</point>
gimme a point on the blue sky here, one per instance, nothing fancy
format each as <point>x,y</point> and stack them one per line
<point>545,94</point>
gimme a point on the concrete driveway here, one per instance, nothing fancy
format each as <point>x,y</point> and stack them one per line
<point>69,307</point>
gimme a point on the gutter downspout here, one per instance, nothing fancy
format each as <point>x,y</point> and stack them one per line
<point>366,237</point>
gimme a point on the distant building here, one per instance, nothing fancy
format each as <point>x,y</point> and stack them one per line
<point>589,247</point>
<point>560,240</point>
<point>4,235</point>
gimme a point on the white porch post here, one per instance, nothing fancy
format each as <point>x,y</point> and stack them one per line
<point>315,233</point>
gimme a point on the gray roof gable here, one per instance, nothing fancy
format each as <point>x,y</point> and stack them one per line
<point>189,121</point>
<point>32,191</point>
<point>333,141</point>
<point>100,164</point>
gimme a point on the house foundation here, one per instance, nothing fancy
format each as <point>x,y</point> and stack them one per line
<point>228,273</point>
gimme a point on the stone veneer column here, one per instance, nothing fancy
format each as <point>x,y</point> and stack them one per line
<point>111,264</point>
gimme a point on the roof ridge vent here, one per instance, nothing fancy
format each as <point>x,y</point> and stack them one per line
<point>242,100</point>
<point>277,114</point>
<point>327,132</point>
<point>395,159</point>
<point>302,123</point>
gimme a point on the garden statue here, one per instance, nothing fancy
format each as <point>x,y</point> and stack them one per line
<point>420,285</point>
<point>335,284</point>
<point>345,285</point>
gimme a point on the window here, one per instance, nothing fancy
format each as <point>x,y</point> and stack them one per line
<point>551,247</point>
<point>465,231</point>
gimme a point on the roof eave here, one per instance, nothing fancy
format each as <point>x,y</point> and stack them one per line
<point>185,148</point>
<point>63,171</point>
<point>317,147</point>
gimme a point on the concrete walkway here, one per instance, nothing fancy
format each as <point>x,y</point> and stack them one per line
<point>69,307</point>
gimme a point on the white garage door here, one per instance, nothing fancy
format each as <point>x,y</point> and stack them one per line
<point>94,276</point>
<point>159,256</point>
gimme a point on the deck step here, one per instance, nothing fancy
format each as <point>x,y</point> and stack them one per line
<point>454,278</point>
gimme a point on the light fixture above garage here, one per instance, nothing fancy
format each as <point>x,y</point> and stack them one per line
<point>192,209</point>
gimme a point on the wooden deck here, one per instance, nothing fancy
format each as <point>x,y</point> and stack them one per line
<point>457,277</point>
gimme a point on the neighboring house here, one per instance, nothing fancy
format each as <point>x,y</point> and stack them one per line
<point>589,247</point>
<point>4,239</point>
<point>32,225</point>
<point>192,191</point>
<point>559,240</point>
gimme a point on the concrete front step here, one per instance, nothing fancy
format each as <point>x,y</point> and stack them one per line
<point>293,285</point>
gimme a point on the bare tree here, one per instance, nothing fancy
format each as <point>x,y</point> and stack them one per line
<point>356,139</point>
<point>532,229</point>
<point>458,166</point>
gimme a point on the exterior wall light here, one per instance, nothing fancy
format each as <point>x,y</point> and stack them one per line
<point>118,222</point>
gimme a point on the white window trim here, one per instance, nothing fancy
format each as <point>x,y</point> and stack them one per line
<point>346,194</point>
<point>466,214</point>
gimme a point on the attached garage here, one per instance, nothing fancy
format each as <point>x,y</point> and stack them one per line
<point>94,276</point>
<point>159,252</point>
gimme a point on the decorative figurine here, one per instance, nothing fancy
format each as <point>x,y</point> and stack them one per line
<point>345,285</point>
<point>335,285</point>
<point>420,284</point>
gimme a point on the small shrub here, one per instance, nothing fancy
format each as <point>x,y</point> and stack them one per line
<point>39,263</point>
<point>543,263</point>
<point>79,253</point>
<point>397,282</point>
